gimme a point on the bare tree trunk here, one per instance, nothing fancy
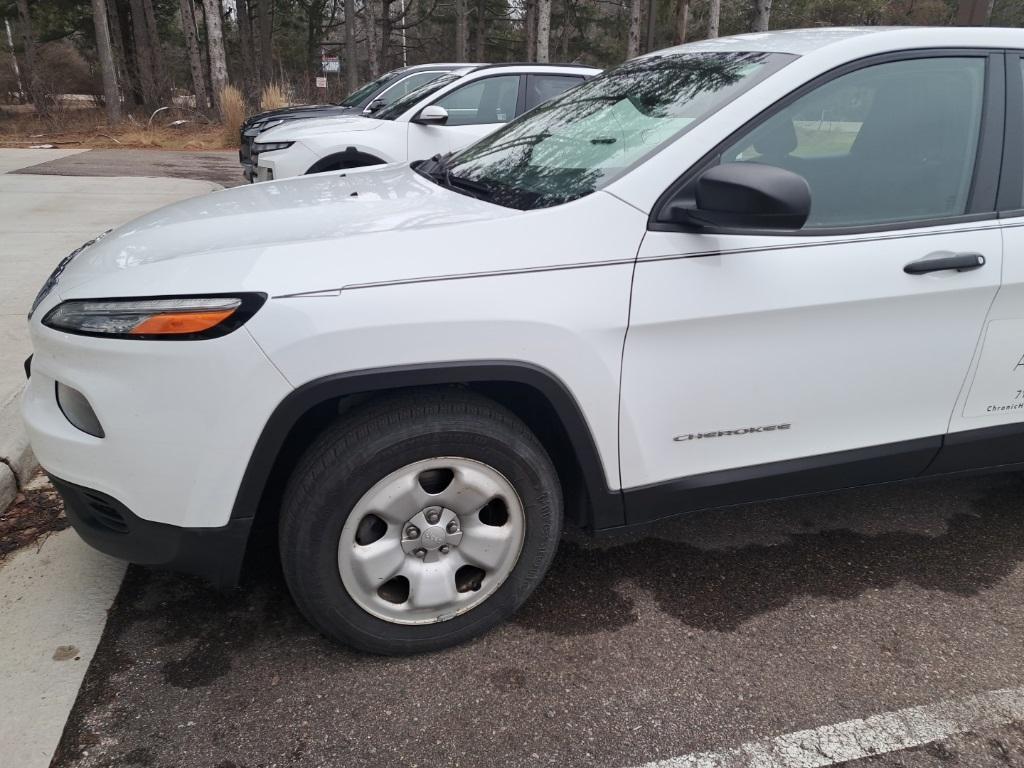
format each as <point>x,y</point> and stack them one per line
<point>250,69</point>
<point>264,20</point>
<point>121,42</point>
<point>480,33</point>
<point>762,12</point>
<point>530,22</point>
<point>215,49</point>
<point>974,13</point>
<point>543,31</point>
<point>652,23</point>
<point>384,48</point>
<point>682,21</point>
<point>204,53</point>
<point>111,94</point>
<point>351,55</point>
<point>372,46</point>
<point>14,62</point>
<point>714,11</point>
<point>29,62</point>
<point>195,59</point>
<point>163,85</point>
<point>633,42</point>
<point>143,55</point>
<point>564,33</point>
<point>461,31</point>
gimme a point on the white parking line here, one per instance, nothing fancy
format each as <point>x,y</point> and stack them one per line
<point>855,739</point>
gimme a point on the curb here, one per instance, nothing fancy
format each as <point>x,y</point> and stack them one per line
<point>17,462</point>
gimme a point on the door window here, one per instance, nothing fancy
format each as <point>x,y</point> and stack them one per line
<point>1022,78</point>
<point>406,86</point>
<point>484,101</point>
<point>888,143</point>
<point>540,88</point>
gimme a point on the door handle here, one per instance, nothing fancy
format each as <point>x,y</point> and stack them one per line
<point>944,260</point>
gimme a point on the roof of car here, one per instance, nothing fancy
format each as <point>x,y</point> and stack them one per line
<point>804,41</point>
<point>438,65</point>
<point>572,64</point>
<point>534,65</point>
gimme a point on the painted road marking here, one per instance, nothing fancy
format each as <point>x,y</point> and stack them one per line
<point>856,739</point>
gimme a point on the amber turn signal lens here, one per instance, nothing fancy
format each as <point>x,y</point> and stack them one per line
<point>180,323</point>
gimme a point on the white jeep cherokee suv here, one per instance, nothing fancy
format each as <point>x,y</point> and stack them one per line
<point>446,114</point>
<point>741,269</point>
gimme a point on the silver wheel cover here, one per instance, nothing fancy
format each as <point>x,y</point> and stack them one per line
<point>435,544</point>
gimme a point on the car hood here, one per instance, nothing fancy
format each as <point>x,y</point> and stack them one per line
<point>224,238</point>
<point>298,112</point>
<point>297,130</point>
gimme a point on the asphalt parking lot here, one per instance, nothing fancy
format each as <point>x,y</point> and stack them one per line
<point>716,630</point>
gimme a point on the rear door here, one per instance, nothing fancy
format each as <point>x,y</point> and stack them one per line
<point>828,352</point>
<point>987,426</point>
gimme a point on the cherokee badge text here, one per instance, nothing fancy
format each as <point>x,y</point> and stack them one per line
<point>725,432</point>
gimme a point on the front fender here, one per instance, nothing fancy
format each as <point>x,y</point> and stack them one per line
<point>606,504</point>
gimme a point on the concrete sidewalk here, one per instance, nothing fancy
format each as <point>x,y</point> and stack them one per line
<point>54,599</point>
<point>42,218</point>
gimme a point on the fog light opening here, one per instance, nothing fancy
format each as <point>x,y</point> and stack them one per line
<point>76,409</point>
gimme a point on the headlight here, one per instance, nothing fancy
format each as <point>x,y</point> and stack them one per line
<point>271,146</point>
<point>199,317</point>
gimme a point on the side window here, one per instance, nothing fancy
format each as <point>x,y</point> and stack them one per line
<point>406,85</point>
<point>488,100</point>
<point>540,88</point>
<point>888,143</point>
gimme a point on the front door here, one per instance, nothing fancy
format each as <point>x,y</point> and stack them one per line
<point>474,110</point>
<point>745,350</point>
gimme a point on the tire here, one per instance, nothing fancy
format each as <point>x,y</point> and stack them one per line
<point>356,495</point>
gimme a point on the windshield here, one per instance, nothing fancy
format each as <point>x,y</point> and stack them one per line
<point>400,105</point>
<point>578,142</point>
<point>358,97</point>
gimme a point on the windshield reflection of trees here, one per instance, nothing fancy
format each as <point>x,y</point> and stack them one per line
<point>665,87</point>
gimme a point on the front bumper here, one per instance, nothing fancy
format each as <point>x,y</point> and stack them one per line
<point>296,160</point>
<point>180,419</point>
<point>106,524</point>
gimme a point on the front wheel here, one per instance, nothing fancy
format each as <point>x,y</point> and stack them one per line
<point>419,522</point>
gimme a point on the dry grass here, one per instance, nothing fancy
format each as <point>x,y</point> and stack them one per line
<point>86,128</point>
<point>232,113</point>
<point>273,97</point>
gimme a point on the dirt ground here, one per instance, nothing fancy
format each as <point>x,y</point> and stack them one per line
<point>86,128</point>
<point>35,513</point>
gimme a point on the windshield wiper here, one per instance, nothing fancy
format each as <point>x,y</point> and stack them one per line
<point>438,169</point>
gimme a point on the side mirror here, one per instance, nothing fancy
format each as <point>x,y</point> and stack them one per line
<point>432,115</point>
<point>746,196</point>
<point>373,106</point>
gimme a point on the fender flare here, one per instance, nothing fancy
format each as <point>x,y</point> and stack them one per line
<point>350,154</point>
<point>606,505</point>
